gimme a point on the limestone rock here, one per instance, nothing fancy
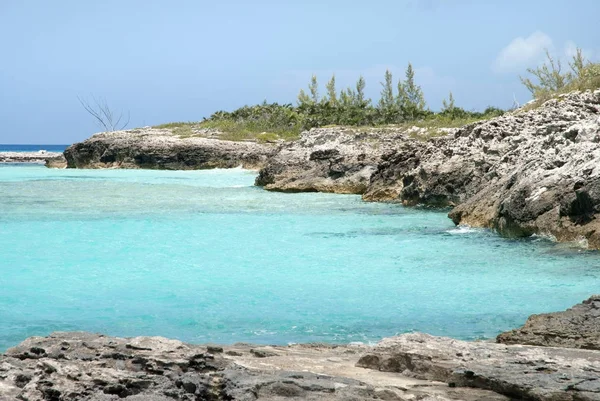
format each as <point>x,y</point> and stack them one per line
<point>162,149</point>
<point>29,157</point>
<point>527,172</point>
<point>578,327</point>
<point>518,372</point>
<point>339,160</point>
<point>92,367</point>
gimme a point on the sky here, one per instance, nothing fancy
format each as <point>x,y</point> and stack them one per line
<point>180,60</point>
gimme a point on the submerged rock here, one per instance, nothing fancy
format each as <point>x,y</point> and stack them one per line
<point>578,327</point>
<point>162,149</point>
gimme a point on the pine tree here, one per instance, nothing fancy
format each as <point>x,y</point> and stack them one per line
<point>410,96</point>
<point>449,105</point>
<point>331,92</point>
<point>303,98</point>
<point>314,89</point>
<point>386,102</point>
<point>361,101</point>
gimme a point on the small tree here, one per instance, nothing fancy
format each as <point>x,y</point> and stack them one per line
<point>549,76</point>
<point>303,98</point>
<point>105,116</point>
<point>386,101</point>
<point>314,89</point>
<point>410,96</point>
<point>331,92</point>
<point>449,105</point>
<point>361,100</point>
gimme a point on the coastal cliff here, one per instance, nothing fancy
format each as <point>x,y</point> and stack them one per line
<point>83,366</point>
<point>152,148</point>
<point>527,172</point>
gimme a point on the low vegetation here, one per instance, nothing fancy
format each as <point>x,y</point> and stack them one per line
<point>401,104</point>
<point>550,79</point>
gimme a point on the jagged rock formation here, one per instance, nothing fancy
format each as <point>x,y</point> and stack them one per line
<point>528,172</point>
<point>578,327</point>
<point>518,372</point>
<point>339,160</point>
<point>81,366</point>
<point>162,149</point>
<point>91,367</point>
<point>28,157</point>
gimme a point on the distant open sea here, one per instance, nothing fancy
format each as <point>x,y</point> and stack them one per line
<point>32,148</point>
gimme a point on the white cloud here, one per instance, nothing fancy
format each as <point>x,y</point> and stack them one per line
<point>522,52</point>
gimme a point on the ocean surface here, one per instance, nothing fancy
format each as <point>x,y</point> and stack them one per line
<point>32,148</point>
<point>206,256</point>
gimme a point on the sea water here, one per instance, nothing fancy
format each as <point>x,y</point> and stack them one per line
<point>205,256</point>
<point>32,148</point>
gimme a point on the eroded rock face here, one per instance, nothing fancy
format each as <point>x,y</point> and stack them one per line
<point>339,160</point>
<point>161,149</point>
<point>578,327</point>
<point>91,367</point>
<point>519,372</point>
<point>530,172</point>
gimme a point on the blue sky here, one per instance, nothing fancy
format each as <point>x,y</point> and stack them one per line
<point>180,60</point>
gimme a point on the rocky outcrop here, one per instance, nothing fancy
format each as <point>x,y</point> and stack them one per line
<point>578,327</point>
<point>339,160</point>
<point>81,366</point>
<point>527,172</point>
<point>91,367</point>
<point>28,157</point>
<point>163,149</point>
<point>518,372</point>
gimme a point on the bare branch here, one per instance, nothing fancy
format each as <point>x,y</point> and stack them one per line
<point>103,114</point>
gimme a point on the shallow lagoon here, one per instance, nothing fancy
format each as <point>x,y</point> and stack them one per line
<point>205,256</point>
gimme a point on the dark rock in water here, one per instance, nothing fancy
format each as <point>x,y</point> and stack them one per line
<point>578,327</point>
<point>162,149</point>
<point>56,162</point>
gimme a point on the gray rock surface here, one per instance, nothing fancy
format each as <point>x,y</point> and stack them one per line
<point>83,366</point>
<point>28,157</point>
<point>162,149</point>
<point>578,327</point>
<point>339,160</point>
<point>91,367</point>
<point>528,172</point>
<point>518,372</point>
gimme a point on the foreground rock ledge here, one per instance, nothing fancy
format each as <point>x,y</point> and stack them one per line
<point>578,327</point>
<point>152,148</point>
<point>83,366</point>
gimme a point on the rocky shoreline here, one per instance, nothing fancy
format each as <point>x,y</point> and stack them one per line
<point>152,148</point>
<point>39,157</point>
<point>527,172</point>
<point>92,367</point>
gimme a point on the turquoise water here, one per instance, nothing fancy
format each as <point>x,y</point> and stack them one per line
<point>32,148</point>
<point>205,256</point>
